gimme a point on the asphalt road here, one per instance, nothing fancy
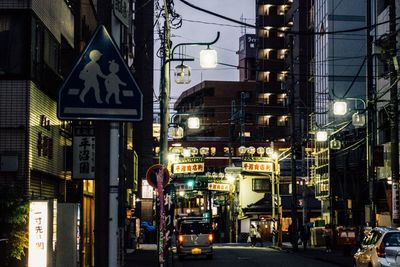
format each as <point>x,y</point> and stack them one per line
<point>247,257</point>
<point>241,256</point>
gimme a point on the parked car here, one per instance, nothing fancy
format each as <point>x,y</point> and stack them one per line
<point>381,247</point>
<point>195,238</point>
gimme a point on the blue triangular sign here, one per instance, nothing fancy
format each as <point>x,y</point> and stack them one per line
<point>100,86</point>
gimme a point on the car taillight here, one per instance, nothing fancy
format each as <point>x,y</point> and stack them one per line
<point>380,251</point>
<point>181,238</point>
<point>210,237</point>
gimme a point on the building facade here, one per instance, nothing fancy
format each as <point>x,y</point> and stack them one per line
<point>340,65</point>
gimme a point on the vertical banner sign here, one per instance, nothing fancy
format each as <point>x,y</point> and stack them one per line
<point>84,146</point>
<point>396,201</point>
<point>169,208</point>
<point>38,233</point>
<point>160,190</point>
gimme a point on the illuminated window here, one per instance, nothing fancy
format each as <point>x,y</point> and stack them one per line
<point>282,76</point>
<point>282,53</point>
<point>282,121</point>
<point>264,76</point>
<point>281,99</point>
<point>264,120</point>
<point>265,98</point>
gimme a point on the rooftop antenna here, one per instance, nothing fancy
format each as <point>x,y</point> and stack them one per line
<point>243,28</point>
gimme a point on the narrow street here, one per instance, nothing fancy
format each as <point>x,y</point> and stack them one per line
<point>226,255</point>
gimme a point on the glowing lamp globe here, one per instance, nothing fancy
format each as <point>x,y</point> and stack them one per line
<point>208,58</point>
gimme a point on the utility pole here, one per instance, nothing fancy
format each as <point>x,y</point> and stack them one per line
<point>164,120</point>
<point>394,112</point>
<point>164,89</point>
<point>293,148</point>
<point>371,122</point>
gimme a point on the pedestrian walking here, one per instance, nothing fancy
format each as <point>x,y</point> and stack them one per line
<point>253,235</point>
<point>305,235</point>
<point>328,237</point>
<point>258,236</point>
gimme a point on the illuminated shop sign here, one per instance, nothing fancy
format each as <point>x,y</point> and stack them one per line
<point>38,233</point>
<point>188,167</point>
<point>219,187</point>
<point>257,164</point>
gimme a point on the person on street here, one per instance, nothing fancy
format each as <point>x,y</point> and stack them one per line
<point>258,236</point>
<point>253,235</point>
<point>305,235</point>
<point>328,237</point>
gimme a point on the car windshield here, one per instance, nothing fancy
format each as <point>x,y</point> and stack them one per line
<point>195,228</point>
<point>392,239</point>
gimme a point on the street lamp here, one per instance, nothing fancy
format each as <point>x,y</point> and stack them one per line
<point>358,121</point>
<point>164,88</point>
<point>177,129</point>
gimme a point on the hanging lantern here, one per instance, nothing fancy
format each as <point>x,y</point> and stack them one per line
<point>177,132</point>
<point>208,58</point>
<point>193,123</point>
<point>183,74</point>
<point>358,120</point>
<point>321,136</point>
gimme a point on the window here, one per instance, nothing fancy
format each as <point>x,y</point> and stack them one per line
<point>50,51</point>
<point>12,45</point>
<point>195,228</point>
<point>259,184</point>
<point>282,121</point>
<point>281,99</point>
<point>264,98</point>
<point>264,120</point>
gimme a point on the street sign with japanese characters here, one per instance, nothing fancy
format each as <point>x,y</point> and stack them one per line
<point>189,165</point>
<point>219,187</point>
<point>84,153</point>
<point>257,164</point>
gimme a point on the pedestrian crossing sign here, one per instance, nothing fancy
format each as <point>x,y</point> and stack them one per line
<point>101,85</point>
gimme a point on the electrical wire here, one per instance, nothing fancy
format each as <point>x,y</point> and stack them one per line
<point>284,31</point>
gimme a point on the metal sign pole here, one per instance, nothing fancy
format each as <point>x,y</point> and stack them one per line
<point>113,195</point>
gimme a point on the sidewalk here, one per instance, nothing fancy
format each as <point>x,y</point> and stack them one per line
<point>144,256</point>
<point>336,256</point>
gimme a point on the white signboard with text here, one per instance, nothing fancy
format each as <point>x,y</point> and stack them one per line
<point>84,149</point>
<point>38,233</point>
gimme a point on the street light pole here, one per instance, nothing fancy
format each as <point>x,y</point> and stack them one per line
<point>394,112</point>
<point>164,92</point>
<point>371,122</point>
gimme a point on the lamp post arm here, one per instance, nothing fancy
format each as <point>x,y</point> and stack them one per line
<point>358,99</point>
<point>199,43</point>
<point>177,114</point>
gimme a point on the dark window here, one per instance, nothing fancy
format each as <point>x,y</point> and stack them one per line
<point>384,125</point>
<point>261,185</point>
<point>50,51</point>
<point>195,228</point>
<point>392,240</point>
<point>13,40</point>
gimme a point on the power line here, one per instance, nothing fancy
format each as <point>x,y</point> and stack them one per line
<point>283,31</point>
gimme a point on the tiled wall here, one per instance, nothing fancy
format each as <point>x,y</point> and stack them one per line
<point>54,13</point>
<point>14,4</point>
<point>13,130</point>
<point>41,107</point>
